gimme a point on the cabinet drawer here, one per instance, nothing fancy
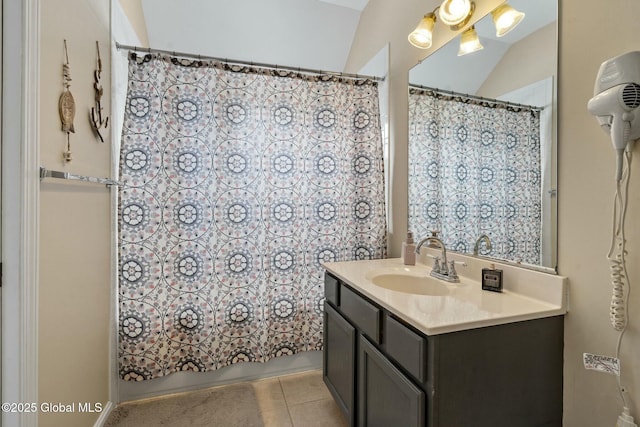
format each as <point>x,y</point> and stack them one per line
<point>363,314</point>
<point>407,348</point>
<point>331,289</point>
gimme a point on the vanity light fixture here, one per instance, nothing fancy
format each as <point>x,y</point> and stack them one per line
<point>506,18</point>
<point>456,15</point>
<point>422,36</point>
<point>453,13</point>
<point>469,42</point>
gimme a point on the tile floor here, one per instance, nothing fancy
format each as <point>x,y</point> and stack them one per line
<point>297,400</point>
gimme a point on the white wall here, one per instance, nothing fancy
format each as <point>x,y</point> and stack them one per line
<point>75,269</point>
<point>590,32</point>
<point>135,15</point>
<point>527,61</point>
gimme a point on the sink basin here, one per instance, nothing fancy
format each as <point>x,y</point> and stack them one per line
<point>401,281</point>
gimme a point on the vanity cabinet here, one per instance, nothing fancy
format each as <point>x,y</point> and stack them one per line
<point>339,360</point>
<point>384,372</point>
<point>386,397</point>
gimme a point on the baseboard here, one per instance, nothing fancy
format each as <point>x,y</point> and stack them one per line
<point>180,382</point>
<point>104,415</point>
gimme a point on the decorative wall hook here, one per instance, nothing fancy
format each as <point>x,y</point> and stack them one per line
<point>95,116</point>
<point>66,104</point>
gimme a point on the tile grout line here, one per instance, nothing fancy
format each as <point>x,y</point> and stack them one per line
<point>285,401</point>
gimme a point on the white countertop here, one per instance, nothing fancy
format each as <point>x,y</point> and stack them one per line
<point>527,295</point>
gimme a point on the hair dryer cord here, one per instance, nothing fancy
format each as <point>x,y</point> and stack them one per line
<point>618,242</point>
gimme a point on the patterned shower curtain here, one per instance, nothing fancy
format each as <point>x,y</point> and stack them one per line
<point>474,169</point>
<point>239,183</point>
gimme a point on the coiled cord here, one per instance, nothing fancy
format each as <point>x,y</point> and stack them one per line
<point>617,312</point>
<point>620,299</point>
<point>617,309</point>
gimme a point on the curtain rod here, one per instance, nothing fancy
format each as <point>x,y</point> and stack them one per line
<point>251,64</point>
<point>478,98</point>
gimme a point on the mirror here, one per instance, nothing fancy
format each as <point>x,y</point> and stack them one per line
<point>457,185</point>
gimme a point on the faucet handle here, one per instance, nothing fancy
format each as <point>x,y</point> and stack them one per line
<point>436,264</point>
<point>452,268</point>
<point>434,233</point>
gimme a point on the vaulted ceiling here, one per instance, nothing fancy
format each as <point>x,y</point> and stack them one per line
<point>305,33</point>
<point>298,33</point>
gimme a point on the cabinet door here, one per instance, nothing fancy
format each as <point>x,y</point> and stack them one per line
<point>339,362</point>
<point>386,397</point>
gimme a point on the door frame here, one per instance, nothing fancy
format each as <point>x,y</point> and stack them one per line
<point>20,199</point>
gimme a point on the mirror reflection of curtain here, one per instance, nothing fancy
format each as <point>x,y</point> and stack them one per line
<point>475,169</point>
<point>239,183</point>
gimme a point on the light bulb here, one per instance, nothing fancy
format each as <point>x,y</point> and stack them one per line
<point>422,36</point>
<point>454,12</point>
<point>469,42</point>
<point>506,18</point>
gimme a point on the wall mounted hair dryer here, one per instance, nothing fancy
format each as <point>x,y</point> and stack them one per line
<point>616,104</point>
<point>616,100</point>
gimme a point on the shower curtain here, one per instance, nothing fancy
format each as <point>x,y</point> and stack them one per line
<point>474,168</point>
<point>238,183</point>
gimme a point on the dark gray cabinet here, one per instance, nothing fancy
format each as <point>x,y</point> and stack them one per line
<point>384,372</point>
<point>386,397</point>
<point>339,360</point>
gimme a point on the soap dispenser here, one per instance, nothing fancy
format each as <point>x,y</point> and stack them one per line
<point>409,250</point>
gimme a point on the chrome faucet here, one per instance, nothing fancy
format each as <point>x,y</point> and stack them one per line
<point>487,242</point>
<point>441,270</point>
<point>433,239</point>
